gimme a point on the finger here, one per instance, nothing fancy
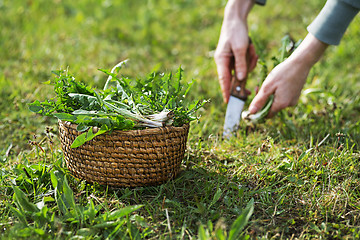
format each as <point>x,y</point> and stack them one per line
<point>224,73</point>
<point>253,57</point>
<point>275,108</point>
<point>271,114</point>
<point>240,63</point>
<point>253,62</point>
<point>261,98</point>
<point>279,104</point>
<point>256,90</point>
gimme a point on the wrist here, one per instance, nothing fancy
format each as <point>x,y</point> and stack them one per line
<point>238,9</point>
<point>310,51</point>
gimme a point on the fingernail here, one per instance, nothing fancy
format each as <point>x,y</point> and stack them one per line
<point>240,76</point>
<point>253,109</point>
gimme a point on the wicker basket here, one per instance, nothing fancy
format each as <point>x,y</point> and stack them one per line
<point>126,158</point>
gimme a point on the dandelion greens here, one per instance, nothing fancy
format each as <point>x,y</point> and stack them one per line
<point>123,104</point>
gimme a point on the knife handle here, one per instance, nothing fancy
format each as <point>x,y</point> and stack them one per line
<point>238,87</point>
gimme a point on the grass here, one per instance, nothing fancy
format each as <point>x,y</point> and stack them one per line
<point>296,175</point>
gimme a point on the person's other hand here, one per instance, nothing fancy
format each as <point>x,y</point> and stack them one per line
<point>287,79</point>
<point>230,54</point>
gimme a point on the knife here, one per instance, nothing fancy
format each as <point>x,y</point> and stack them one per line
<point>236,103</point>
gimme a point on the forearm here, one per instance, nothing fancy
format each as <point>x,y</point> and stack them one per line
<point>238,9</point>
<point>309,52</point>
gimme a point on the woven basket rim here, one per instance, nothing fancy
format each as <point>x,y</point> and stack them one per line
<point>142,132</point>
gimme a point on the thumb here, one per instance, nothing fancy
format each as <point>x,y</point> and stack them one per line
<point>260,99</point>
<point>240,63</point>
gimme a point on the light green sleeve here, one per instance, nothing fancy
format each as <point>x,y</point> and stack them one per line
<point>333,20</point>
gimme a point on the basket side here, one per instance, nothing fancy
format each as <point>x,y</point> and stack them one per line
<point>126,158</point>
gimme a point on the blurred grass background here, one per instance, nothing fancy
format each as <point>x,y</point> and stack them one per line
<point>39,36</point>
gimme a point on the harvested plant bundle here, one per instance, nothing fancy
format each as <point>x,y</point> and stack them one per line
<point>154,101</point>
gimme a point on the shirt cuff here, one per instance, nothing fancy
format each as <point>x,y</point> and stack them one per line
<point>260,2</point>
<point>331,23</point>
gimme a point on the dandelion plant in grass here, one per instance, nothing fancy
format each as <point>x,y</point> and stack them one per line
<point>159,99</point>
<point>287,47</point>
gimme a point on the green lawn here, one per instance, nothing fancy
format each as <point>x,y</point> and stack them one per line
<point>296,176</point>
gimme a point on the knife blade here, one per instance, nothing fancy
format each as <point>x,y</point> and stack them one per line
<point>238,96</point>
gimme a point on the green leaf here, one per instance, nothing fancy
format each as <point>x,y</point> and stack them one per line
<point>86,101</point>
<point>202,233</point>
<point>188,88</point>
<point>68,195</point>
<point>23,202</point>
<point>91,211</point>
<point>123,212</point>
<point>240,223</point>
<point>111,74</point>
<point>86,112</point>
<point>99,99</point>
<point>39,231</point>
<point>178,77</point>
<point>88,136</point>
<point>109,224</point>
<point>216,197</point>
<point>57,179</point>
<point>47,82</point>
<point>219,233</point>
<point>48,199</point>
<point>19,214</point>
<point>65,117</point>
<point>83,232</point>
<point>314,227</point>
<point>54,180</point>
<point>79,140</point>
<point>117,229</point>
<point>35,107</point>
<point>56,72</point>
<point>118,104</point>
<point>81,127</point>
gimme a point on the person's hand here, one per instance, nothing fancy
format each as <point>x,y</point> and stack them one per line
<point>287,79</point>
<point>230,54</point>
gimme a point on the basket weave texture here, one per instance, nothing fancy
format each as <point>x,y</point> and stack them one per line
<point>126,158</point>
